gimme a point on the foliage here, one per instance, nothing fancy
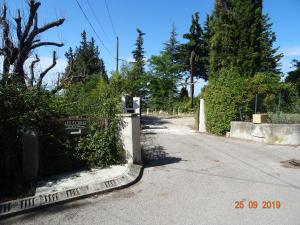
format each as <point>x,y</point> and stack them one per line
<point>194,48</point>
<point>223,97</point>
<point>100,103</point>
<point>273,95</point>
<point>192,54</point>
<point>164,76</point>
<point>85,61</point>
<point>293,77</point>
<point>284,118</point>
<point>102,146</point>
<point>231,96</point>
<point>137,70</point>
<point>21,109</point>
<point>138,53</point>
<point>241,38</point>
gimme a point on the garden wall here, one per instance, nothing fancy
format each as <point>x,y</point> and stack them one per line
<point>283,134</point>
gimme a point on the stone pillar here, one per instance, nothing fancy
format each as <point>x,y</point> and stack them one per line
<point>131,137</point>
<point>30,155</point>
<point>137,105</point>
<point>202,127</point>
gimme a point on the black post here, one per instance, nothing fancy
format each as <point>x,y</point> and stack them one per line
<point>256,103</point>
<point>117,66</point>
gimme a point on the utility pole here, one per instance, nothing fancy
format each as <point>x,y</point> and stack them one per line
<point>117,67</point>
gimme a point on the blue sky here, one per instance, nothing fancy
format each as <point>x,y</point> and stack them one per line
<point>155,18</point>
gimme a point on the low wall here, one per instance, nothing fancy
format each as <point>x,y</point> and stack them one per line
<point>283,134</point>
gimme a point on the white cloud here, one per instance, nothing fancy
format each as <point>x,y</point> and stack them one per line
<point>291,51</point>
<point>51,77</point>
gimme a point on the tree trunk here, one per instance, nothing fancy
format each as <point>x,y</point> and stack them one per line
<point>192,64</point>
<point>5,71</point>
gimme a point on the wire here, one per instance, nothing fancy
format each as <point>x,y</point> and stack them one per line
<point>110,19</point>
<point>87,19</point>
<point>98,21</point>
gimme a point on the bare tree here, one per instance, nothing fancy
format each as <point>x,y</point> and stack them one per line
<point>17,50</point>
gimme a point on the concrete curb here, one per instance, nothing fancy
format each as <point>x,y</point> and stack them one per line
<point>129,177</point>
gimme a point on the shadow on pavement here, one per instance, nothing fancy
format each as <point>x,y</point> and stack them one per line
<point>151,120</point>
<point>156,156</point>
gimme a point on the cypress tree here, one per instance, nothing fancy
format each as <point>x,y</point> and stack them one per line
<point>135,76</point>
<point>241,38</point>
<point>138,54</point>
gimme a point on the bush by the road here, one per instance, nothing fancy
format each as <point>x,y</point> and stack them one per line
<point>223,97</point>
<point>230,96</point>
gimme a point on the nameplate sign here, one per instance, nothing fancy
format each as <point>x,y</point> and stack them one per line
<point>76,126</point>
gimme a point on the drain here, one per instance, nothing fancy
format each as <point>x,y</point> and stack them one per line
<point>292,163</point>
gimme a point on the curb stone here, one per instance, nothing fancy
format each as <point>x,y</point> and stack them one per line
<point>132,175</point>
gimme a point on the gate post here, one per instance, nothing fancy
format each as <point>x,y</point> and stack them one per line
<point>202,127</point>
<point>131,137</point>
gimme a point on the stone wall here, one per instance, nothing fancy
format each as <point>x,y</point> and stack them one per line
<point>283,134</point>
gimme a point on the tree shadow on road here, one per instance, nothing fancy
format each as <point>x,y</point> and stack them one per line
<point>151,120</point>
<point>157,156</point>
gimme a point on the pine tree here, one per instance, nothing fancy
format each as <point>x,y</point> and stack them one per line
<point>85,61</point>
<point>193,53</point>
<point>164,74</point>
<point>171,46</point>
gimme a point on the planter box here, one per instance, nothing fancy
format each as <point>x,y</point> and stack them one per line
<point>260,118</point>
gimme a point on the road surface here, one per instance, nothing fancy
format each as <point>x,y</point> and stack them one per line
<point>192,178</point>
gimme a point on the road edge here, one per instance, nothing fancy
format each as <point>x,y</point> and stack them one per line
<point>131,176</point>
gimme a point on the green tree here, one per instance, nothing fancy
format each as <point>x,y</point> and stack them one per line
<point>85,61</point>
<point>171,46</point>
<point>138,53</point>
<point>138,70</point>
<point>193,54</point>
<point>241,38</point>
<point>164,75</point>
<point>294,76</point>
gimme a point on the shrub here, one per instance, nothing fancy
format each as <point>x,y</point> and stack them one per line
<point>273,95</point>
<point>223,98</point>
<point>100,103</point>
<point>284,118</point>
<point>21,109</point>
<point>230,97</point>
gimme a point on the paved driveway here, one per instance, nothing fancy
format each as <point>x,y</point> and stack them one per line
<point>193,178</point>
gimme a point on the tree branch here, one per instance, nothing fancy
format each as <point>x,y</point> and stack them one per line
<point>46,27</point>
<point>31,79</point>
<point>43,74</point>
<point>18,20</point>
<point>46,43</point>
<point>33,6</point>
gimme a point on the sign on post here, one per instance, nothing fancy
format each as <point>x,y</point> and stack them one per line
<point>76,126</point>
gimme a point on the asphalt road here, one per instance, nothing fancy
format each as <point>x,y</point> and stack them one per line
<point>193,178</point>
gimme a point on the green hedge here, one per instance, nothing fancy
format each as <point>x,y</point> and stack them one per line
<point>223,97</point>
<point>230,96</point>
